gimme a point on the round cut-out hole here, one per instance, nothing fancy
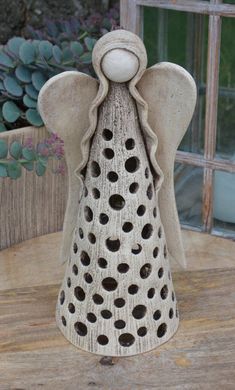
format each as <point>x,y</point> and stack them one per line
<point>107,134</point>
<point>75,269</point>
<point>133,289</point>
<point>132,164</point>
<point>112,176</point>
<point>103,218</point>
<point>155,252</point>
<point>164,292</point>
<point>69,282</point>
<point>139,311</point>
<point>92,238</point>
<point>123,268</point>
<point>151,293</point>
<point>91,317</point>
<point>147,231</point>
<point>80,328</point>
<point>96,193</point>
<point>134,188</point>
<point>136,249</point>
<point>141,210</point>
<point>85,259</point>
<point>171,313</point>
<point>160,272</point>
<point>102,339</point>
<point>157,315</point>
<point>155,212</point>
<point>71,308</point>
<point>150,191</point>
<point>119,324</point>
<point>161,331</point>
<point>63,320</point>
<point>88,278</point>
<point>142,331</point>
<point>109,284</point>
<point>117,202</point>
<point>88,213</point>
<point>98,299</point>
<point>130,144</point>
<point>102,262</point>
<point>126,339</point>
<point>119,302</point>
<point>127,227</point>
<point>113,244</point>
<point>62,297</point>
<point>145,271</point>
<point>79,293</point>
<point>106,314</point>
<point>95,169</point>
<point>108,153</point>
<point>75,247</point>
<point>146,173</point>
<point>81,234</point>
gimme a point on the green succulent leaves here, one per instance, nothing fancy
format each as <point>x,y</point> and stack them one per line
<point>3,148</point>
<point>27,53</point>
<point>10,111</point>
<point>34,117</point>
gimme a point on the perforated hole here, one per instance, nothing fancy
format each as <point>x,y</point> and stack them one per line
<point>171,313</point>
<point>102,339</point>
<point>157,315</point>
<point>126,339</point>
<point>133,289</point>
<point>142,331</point>
<point>63,320</point>
<point>160,232</point>
<point>88,213</point>
<point>127,227</point>
<point>113,244</point>
<point>81,234</point>
<point>107,134</point>
<point>150,191</point>
<point>130,144</point>
<point>62,297</point>
<point>119,324</point>
<point>139,311</point>
<point>103,218</point>
<point>164,292</point>
<point>136,249</point>
<point>172,296</point>
<point>151,293</point>
<point>96,193</point>
<point>117,202</point>
<point>155,212</point>
<point>134,188</point>
<point>102,262</point>
<point>91,317</point>
<point>112,176</point>
<point>95,169</point>
<point>71,308</point>
<point>92,238</point>
<point>88,278</point>
<point>160,272</point>
<point>85,191</point>
<point>145,271</point>
<point>69,282</point>
<point>141,210</point>
<point>75,269</point>
<point>80,328</point>
<point>85,258</point>
<point>132,164</point>
<point>123,268</point>
<point>79,293</point>
<point>165,251</point>
<point>98,299</point>
<point>109,284</point>
<point>147,231</point>
<point>119,302</point>
<point>161,331</point>
<point>146,173</point>
<point>155,252</point>
<point>75,247</point>
<point>106,314</point>
<point>108,153</point>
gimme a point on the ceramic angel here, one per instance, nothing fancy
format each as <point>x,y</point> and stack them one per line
<point>121,225</point>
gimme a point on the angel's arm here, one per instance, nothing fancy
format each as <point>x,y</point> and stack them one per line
<point>170,93</point>
<point>64,103</point>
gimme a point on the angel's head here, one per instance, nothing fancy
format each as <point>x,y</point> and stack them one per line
<point>119,56</point>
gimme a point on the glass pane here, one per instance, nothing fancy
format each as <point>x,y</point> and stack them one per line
<point>226,103</point>
<point>181,37</point>
<point>188,192</point>
<point>224,202</point>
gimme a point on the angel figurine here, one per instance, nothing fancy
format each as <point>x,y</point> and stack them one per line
<point>121,225</point>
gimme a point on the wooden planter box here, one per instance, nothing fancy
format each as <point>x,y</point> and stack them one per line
<point>31,205</point>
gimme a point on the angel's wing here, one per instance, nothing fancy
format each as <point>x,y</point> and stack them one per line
<point>170,92</point>
<point>64,103</point>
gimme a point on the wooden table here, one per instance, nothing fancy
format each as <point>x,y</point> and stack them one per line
<point>34,354</point>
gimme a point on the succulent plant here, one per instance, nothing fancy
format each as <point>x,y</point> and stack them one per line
<point>18,156</point>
